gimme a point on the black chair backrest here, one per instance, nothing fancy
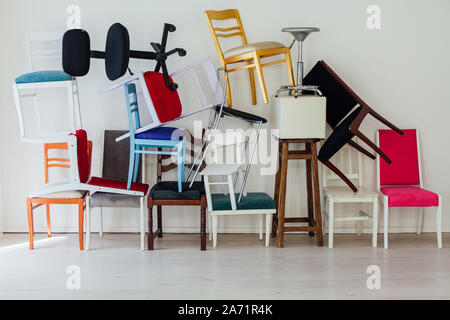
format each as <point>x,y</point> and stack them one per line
<point>339,100</point>
<point>116,156</point>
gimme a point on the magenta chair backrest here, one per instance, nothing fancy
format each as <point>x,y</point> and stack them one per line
<point>403,151</point>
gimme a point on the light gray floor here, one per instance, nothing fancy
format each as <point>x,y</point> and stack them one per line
<point>239,268</point>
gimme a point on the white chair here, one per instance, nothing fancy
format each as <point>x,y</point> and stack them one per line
<point>229,203</point>
<point>348,160</point>
<point>45,47</point>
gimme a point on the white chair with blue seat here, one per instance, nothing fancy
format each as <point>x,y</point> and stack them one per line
<point>45,47</point>
<point>164,139</point>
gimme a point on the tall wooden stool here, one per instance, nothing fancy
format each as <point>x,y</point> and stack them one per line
<point>314,218</point>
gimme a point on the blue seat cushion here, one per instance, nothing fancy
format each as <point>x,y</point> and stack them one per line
<point>44,76</point>
<point>162,133</point>
<point>168,190</point>
<point>253,201</point>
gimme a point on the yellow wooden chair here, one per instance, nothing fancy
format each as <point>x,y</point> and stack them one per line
<point>248,52</point>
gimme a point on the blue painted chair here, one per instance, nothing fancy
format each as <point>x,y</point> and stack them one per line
<point>161,138</point>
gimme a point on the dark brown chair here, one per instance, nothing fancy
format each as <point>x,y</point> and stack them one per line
<point>341,100</point>
<point>165,193</point>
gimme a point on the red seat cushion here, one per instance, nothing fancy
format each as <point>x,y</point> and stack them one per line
<point>166,102</point>
<point>410,197</point>
<point>117,184</point>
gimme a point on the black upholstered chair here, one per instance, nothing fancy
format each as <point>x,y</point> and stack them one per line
<point>115,166</point>
<point>165,193</point>
<point>342,100</point>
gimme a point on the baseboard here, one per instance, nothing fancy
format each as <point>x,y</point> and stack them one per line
<point>120,229</point>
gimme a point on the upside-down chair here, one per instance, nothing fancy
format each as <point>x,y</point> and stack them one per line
<point>345,114</point>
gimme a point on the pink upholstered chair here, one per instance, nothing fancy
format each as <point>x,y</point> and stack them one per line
<point>400,183</point>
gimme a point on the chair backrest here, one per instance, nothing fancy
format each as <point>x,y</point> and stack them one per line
<point>134,121</point>
<point>199,85</point>
<point>218,32</point>
<point>349,161</point>
<point>162,168</point>
<point>228,148</point>
<point>60,162</point>
<point>199,89</point>
<point>340,98</point>
<point>116,156</point>
<point>45,47</point>
<point>405,155</point>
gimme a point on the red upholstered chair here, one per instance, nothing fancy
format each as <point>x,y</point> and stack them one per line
<point>400,184</point>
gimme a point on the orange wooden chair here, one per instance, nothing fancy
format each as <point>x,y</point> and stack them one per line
<point>64,197</point>
<point>250,53</point>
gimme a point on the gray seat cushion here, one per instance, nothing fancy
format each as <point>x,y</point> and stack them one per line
<point>107,200</point>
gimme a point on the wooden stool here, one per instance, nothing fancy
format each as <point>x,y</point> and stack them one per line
<point>312,184</point>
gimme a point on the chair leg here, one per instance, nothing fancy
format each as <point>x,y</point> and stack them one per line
<point>259,72</point>
<point>214,223</point>
<point>160,223</point>
<point>330,222</point>
<point>131,167</point>
<point>261,226</point>
<point>101,222</point>
<point>136,164</point>
<point>372,145</point>
<point>338,172</point>
<point>203,225</point>
<point>180,169</point>
<point>252,84</point>
<point>230,105</point>
<point>268,228</point>
<point>439,223</point>
<point>80,223</point>
<point>289,67</point>
<point>385,226</point>
<point>420,220</point>
<point>30,222</point>
<point>88,224</point>
<point>49,228</point>
<point>210,227</point>
<point>375,224</point>
<point>150,239</point>
<point>361,149</point>
<point>141,222</point>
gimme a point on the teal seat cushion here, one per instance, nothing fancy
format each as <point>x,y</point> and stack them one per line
<point>253,201</point>
<point>43,76</point>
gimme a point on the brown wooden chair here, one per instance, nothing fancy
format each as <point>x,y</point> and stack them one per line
<point>342,100</point>
<point>250,53</point>
<point>165,193</point>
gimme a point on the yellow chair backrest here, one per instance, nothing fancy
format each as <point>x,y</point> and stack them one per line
<point>233,31</point>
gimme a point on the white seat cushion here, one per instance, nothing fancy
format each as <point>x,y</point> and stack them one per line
<point>253,47</point>
<point>74,194</point>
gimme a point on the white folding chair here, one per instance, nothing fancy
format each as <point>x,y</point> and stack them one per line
<point>45,48</point>
<point>335,191</point>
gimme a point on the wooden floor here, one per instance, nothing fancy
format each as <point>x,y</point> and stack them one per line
<point>239,268</point>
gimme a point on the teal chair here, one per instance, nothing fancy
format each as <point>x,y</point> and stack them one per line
<point>167,140</point>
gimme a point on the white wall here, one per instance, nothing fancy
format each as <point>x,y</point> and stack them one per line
<point>402,71</point>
